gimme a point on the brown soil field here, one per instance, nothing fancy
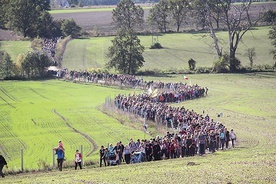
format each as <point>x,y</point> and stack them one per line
<point>8,35</point>
<point>90,20</point>
<point>103,20</point>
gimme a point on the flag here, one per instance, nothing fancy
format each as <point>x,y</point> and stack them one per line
<point>154,93</point>
<point>185,77</point>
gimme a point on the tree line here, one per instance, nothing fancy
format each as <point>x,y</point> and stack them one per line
<point>213,16</point>
<point>31,19</point>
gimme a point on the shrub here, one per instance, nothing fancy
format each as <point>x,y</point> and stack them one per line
<point>222,64</point>
<point>203,70</point>
<point>156,46</point>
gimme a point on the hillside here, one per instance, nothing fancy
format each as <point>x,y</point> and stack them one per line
<point>246,101</point>
<point>83,54</point>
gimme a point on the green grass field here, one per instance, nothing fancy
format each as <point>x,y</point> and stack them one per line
<point>14,48</point>
<point>34,115</point>
<point>84,54</point>
<point>51,110</point>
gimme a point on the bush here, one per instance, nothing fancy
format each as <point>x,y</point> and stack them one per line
<point>156,46</point>
<point>222,64</point>
<point>203,70</point>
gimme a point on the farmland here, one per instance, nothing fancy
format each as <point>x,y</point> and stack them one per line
<point>246,101</point>
<point>89,53</point>
<point>51,110</point>
<point>101,17</point>
<point>34,115</point>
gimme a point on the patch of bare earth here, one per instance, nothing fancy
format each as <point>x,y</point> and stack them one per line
<point>8,35</point>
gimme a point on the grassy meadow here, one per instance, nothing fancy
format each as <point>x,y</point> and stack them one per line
<point>36,114</point>
<point>82,54</point>
<point>14,48</point>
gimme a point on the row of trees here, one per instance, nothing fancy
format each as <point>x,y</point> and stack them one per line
<point>32,66</point>
<point>32,19</point>
<point>212,15</point>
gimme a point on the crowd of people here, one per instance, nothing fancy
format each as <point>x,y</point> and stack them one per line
<point>49,47</point>
<point>169,146</point>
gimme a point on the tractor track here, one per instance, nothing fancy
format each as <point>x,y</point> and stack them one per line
<point>87,137</point>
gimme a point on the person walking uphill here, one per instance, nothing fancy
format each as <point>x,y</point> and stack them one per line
<point>2,164</point>
<point>78,159</point>
<point>60,158</point>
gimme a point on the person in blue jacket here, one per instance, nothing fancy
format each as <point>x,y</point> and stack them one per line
<point>60,158</point>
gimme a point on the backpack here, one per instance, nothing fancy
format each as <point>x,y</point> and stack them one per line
<point>221,135</point>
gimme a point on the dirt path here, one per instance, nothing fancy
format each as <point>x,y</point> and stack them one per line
<point>95,147</point>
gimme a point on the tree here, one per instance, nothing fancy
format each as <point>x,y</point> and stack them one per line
<point>159,15</point>
<point>44,29</point>
<point>23,16</point>
<point>126,53</point>
<point>70,27</point>
<point>237,21</point>
<point>6,65</point>
<point>251,54</point>
<point>222,64</point>
<point>35,63</point>
<point>4,5</point>
<point>272,36</point>
<point>270,16</point>
<point>126,16</point>
<point>178,10</point>
<point>201,12</point>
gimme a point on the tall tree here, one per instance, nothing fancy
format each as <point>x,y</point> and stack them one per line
<point>251,54</point>
<point>44,29</point>
<point>178,10</point>
<point>127,16</point>
<point>23,15</point>
<point>272,36</point>
<point>35,63</point>
<point>6,65</point>
<point>69,27</point>
<point>159,15</point>
<point>201,13</point>
<point>4,5</point>
<point>237,20</point>
<point>126,53</point>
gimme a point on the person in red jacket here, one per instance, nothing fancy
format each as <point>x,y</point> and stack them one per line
<point>78,159</point>
<point>2,164</point>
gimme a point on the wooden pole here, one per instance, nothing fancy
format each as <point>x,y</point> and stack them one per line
<point>53,158</point>
<point>82,155</point>
<point>22,164</point>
